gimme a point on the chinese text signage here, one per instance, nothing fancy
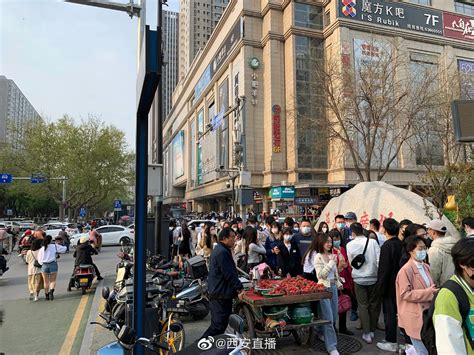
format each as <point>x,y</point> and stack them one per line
<point>459,27</point>
<point>399,15</point>
<point>276,128</point>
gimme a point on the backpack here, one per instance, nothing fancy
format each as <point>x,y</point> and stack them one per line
<point>428,334</point>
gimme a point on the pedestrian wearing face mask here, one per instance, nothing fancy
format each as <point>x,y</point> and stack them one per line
<point>304,237</point>
<point>323,228</point>
<point>340,223</point>
<point>273,244</point>
<point>414,289</point>
<point>288,257</point>
<point>344,269</point>
<point>296,227</point>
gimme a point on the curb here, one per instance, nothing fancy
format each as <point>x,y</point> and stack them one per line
<point>89,331</point>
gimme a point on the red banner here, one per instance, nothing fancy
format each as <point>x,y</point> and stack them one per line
<point>459,27</point>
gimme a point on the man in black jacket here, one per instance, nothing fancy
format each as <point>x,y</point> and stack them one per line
<point>223,283</point>
<point>389,265</point>
<point>83,255</point>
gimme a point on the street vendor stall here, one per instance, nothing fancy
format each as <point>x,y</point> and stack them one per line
<point>281,307</point>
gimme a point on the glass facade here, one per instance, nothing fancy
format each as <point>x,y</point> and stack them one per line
<point>464,8</point>
<point>311,135</point>
<point>429,147</point>
<point>308,16</point>
<point>421,2</point>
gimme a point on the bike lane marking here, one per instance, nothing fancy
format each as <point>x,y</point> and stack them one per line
<point>74,327</point>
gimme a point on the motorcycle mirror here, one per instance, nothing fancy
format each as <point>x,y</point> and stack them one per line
<point>126,335</point>
<point>105,293</point>
<point>176,327</point>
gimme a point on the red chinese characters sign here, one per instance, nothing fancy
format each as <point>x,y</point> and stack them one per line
<point>276,128</point>
<point>459,27</point>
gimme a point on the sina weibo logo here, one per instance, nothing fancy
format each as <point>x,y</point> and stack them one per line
<point>348,8</point>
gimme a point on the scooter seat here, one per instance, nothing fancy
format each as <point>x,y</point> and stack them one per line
<point>85,266</point>
<point>236,323</point>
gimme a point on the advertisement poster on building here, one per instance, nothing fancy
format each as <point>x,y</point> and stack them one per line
<point>178,155</point>
<point>209,151</point>
<point>466,71</point>
<point>224,125</point>
<point>458,27</point>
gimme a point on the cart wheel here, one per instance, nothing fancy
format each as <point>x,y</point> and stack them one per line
<point>302,335</point>
<point>249,322</point>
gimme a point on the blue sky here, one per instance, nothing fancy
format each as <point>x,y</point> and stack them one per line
<point>72,59</point>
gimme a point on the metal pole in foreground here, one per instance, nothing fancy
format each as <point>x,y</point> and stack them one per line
<point>159,128</point>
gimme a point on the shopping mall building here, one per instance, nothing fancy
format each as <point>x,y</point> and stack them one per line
<point>236,106</point>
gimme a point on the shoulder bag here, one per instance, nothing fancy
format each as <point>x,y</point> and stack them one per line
<point>359,260</point>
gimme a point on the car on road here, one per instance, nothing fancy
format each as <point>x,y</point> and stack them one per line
<point>111,235</point>
<point>27,224</point>
<point>54,228</point>
<point>197,223</point>
<point>15,226</point>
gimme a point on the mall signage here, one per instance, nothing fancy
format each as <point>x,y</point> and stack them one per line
<point>276,128</point>
<point>458,27</point>
<point>398,15</point>
<point>283,193</point>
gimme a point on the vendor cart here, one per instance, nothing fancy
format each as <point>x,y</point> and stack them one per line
<point>250,308</point>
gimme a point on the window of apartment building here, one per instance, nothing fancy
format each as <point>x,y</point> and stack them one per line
<point>310,117</point>
<point>428,143</point>
<point>327,18</point>
<point>308,16</point>
<point>421,2</point>
<point>464,8</point>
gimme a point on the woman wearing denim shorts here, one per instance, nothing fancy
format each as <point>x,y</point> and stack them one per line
<point>49,265</point>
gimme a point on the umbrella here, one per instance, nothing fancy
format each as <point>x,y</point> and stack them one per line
<point>381,200</point>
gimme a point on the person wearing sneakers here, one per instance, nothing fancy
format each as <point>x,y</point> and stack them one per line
<point>439,254</point>
<point>49,266</point>
<point>415,290</point>
<point>365,279</point>
<point>390,254</point>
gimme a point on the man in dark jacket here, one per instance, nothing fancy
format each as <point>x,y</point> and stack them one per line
<point>223,283</point>
<point>389,265</point>
<point>83,255</point>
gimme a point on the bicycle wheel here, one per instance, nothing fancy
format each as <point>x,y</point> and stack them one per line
<point>174,340</point>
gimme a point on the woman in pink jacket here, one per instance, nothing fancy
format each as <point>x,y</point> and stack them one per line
<point>415,290</point>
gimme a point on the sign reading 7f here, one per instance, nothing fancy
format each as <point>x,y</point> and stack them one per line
<point>431,19</point>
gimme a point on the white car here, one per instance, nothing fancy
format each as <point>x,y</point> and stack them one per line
<point>15,226</point>
<point>54,228</point>
<point>111,235</point>
<point>27,224</point>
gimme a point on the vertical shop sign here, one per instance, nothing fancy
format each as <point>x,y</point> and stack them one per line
<point>276,128</point>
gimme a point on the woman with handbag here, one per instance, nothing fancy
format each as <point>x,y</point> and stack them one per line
<point>328,275</point>
<point>47,256</point>
<point>35,279</point>
<point>346,295</point>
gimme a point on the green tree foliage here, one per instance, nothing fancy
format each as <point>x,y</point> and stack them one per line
<point>92,156</point>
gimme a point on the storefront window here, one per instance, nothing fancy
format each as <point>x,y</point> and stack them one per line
<point>308,16</point>
<point>310,117</point>
<point>421,2</point>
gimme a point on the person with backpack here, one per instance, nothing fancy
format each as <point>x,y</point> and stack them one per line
<point>364,254</point>
<point>415,289</point>
<point>454,305</point>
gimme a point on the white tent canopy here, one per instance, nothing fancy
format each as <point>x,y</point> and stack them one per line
<point>381,200</point>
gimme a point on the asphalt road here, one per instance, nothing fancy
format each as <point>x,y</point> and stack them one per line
<point>46,327</point>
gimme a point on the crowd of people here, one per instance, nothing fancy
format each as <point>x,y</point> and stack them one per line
<point>395,271</point>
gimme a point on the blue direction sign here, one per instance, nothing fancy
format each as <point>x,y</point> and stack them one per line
<point>37,179</point>
<point>117,205</point>
<point>82,212</point>
<point>6,178</point>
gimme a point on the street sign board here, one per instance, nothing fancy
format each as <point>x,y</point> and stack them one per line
<point>9,212</point>
<point>6,178</point>
<point>117,205</point>
<point>37,179</point>
<point>82,212</point>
